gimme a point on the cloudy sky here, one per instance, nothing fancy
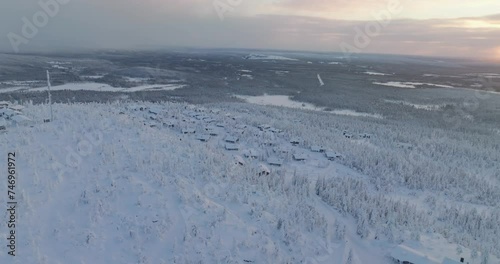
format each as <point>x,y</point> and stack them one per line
<point>416,27</point>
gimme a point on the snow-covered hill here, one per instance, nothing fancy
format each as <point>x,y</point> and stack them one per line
<point>121,183</point>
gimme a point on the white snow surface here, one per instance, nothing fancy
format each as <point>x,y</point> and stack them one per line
<point>348,112</point>
<point>286,101</point>
<point>91,86</point>
<point>98,187</point>
<point>410,85</point>
<point>268,57</point>
<point>376,73</point>
<point>101,184</point>
<point>278,100</point>
<point>428,107</point>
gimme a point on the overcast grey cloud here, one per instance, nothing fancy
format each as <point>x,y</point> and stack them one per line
<point>127,24</point>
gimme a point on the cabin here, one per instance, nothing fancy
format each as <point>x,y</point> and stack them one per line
<point>3,124</point>
<point>240,126</point>
<point>299,157</point>
<point>137,107</point>
<point>200,110</point>
<point>190,113</point>
<point>16,107</point>
<point>251,153</point>
<point>210,128</point>
<point>209,120</point>
<point>318,149</point>
<point>188,131</point>
<point>264,127</point>
<point>154,110</point>
<point>203,138</point>
<point>4,104</point>
<point>295,141</point>
<point>405,255</point>
<point>365,135</point>
<point>219,125</point>
<point>450,261</point>
<point>8,113</point>
<point>21,120</point>
<point>213,132</point>
<point>269,143</point>
<point>231,139</point>
<point>282,150</point>
<point>346,134</point>
<point>275,130</point>
<point>332,155</point>
<point>405,146</point>
<point>239,160</point>
<point>264,170</point>
<point>201,117</point>
<point>231,147</point>
<point>169,124</point>
<point>275,162</point>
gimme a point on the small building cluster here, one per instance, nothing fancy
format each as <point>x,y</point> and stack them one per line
<point>12,114</point>
<point>406,255</point>
<point>206,125</point>
<point>348,135</point>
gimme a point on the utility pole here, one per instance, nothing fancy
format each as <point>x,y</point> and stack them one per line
<point>50,96</point>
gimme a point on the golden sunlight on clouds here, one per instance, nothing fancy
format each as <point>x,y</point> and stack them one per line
<point>496,54</point>
<point>469,24</point>
<point>480,24</point>
<point>364,9</point>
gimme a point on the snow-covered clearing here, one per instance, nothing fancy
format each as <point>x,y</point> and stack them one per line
<point>286,101</point>
<point>137,79</point>
<point>347,112</point>
<point>268,57</point>
<point>278,100</point>
<point>92,76</point>
<point>410,85</point>
<point>377,73</point>
<point>429,107</point>
<point>282,72</point>
<point>485,75</point>
<point>98,87</point>
<point>248,76</point>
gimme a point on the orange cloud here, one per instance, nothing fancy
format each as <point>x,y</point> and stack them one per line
<point>496,53</point>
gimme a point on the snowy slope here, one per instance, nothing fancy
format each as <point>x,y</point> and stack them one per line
<point>109,183</point>
<point>99,187</point>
